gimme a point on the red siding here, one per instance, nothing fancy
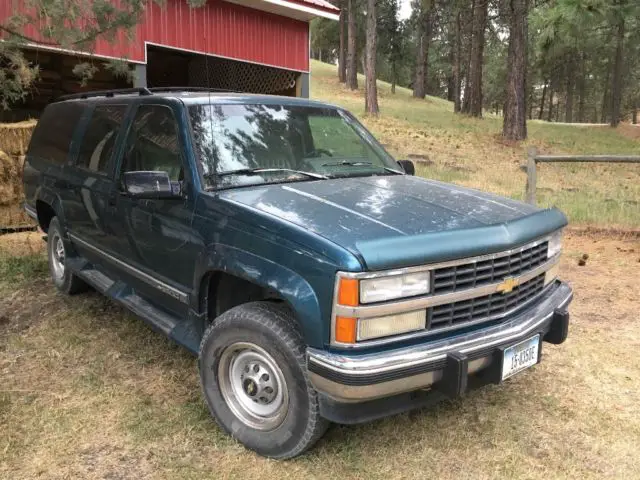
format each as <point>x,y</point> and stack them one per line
<point>219,28</point>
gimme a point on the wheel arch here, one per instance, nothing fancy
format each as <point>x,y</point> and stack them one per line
<point>222,285</point>
<point>48,205</point>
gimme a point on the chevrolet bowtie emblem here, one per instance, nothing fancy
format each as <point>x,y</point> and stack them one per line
<point>508,285</point>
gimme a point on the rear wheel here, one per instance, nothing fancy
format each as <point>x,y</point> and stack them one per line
<point>254,379</point>
<point>57,254</point>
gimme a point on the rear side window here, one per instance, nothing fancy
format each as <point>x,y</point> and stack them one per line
<point>52,137</point>
<point>100,136</point>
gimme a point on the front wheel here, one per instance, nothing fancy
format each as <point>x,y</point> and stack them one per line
<point>254,379</point>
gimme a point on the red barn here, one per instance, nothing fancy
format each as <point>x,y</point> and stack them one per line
<point>259,46</point>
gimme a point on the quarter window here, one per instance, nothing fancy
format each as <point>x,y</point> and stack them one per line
<point>153,144</point>
<point>99,139</point>
<point>53,135</point>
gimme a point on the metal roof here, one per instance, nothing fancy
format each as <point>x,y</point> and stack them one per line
<point>320,3</point>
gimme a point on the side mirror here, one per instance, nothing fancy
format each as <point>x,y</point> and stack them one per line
<point>408,166</point>
<point>150,185</point>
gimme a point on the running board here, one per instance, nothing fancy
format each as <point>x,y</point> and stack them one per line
<point>127,296</point>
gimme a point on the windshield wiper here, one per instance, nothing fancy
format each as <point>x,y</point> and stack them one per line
<point>258,171</point>
<point>360,164</point>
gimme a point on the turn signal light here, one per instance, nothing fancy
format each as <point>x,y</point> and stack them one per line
<point>346,329</point>
<point>348,292</point>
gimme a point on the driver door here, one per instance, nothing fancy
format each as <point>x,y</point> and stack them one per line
<point>160,239</point>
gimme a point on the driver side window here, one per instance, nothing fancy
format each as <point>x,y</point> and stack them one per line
<point>153,143</point>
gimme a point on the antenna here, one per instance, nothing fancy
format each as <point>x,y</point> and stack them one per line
<point>210,113</point>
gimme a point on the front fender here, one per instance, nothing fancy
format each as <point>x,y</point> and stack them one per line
<point>289,285</point>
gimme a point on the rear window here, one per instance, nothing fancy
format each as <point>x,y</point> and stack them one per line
<point>99,139</point>
<point>52,137</point>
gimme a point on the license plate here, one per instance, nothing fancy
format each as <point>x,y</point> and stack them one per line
<point>520,357</point>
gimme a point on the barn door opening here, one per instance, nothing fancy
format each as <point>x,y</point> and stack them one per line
<point>167,67</point>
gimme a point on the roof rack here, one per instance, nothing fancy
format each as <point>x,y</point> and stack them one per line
<point>192,89</point>
<point>107,93</point>
<point>143,91</point>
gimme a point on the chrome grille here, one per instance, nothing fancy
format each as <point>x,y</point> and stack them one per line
<point>457,313</point>
<point>476,274</point>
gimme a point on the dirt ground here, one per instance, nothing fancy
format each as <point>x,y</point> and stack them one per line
<point>88,391</point>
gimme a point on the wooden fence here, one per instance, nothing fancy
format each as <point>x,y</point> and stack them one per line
<point>534,159</point>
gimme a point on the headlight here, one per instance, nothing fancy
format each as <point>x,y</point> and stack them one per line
<point>392,287</point>
<point>554,245</point>
<point>369,328</point>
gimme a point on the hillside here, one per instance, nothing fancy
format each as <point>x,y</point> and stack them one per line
<point>470,151</point>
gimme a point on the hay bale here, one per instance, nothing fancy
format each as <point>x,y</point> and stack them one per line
<point>14,137</point>
<point>11,179</point>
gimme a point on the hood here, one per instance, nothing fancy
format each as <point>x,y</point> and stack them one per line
<point>375,217</point>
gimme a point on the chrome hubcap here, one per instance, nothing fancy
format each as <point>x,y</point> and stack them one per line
<point>253,386</point>
<point>57,256</point>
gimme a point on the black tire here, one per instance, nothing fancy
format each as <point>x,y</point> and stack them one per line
<point>270,327</point>
<point>64,279</point>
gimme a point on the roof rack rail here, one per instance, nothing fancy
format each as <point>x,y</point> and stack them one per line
<point>106,93</point>
<point>191,89</point>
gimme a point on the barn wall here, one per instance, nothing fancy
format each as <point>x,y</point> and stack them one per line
<point>219,28</point>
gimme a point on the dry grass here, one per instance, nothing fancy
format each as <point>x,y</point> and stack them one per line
<point>470,152</point>
<point>88,391</point>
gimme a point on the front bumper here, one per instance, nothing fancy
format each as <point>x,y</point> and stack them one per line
<point>444,364</point>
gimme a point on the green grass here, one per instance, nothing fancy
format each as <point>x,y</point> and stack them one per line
<point>17,270</point>
<point>470,151</point>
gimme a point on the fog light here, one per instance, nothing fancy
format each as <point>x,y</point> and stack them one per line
<point>369,328</point>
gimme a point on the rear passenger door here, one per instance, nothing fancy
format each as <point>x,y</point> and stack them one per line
<point>160,238</point>
<point>92,182</point>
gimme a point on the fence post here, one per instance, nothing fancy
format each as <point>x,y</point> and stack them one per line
<point>531,175</point>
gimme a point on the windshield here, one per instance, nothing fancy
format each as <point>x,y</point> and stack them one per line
<point>241,145</point>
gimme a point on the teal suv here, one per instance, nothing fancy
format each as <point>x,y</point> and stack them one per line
<point>314,276</point>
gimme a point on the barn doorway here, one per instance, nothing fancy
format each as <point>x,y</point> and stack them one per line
<point>168,67</point>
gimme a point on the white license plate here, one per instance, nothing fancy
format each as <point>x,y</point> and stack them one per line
<point>520,357</point>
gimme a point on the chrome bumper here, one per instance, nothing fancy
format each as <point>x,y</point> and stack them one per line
<point>358,378</point>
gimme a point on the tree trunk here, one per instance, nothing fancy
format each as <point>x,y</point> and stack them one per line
<point>477,50</point>
<point>634,115</point>
<point>352,54</point>
<point>468,30</point>
<point>544,94</point>
<point>514,126</point>
<point>342,54</point>
<point>372,89</point>
<point>616,82</point>
<point>568,115</point>
<point>422,55</point>
<point>394,76</point>
<point>456,65</point>
<point>550,112</point>
<point>582,88</point>
<point>452,42</point>
<point>605,96</point>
